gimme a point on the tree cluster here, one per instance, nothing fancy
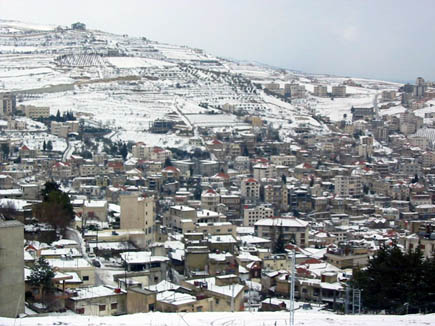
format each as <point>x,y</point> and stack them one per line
<point>55,209</point>
<point>397,282</point>
<point>66,116</point>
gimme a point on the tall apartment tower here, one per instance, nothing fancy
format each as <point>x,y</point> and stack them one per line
<point>138,213</point>
<point>8,103</point>
<point>11,268</point>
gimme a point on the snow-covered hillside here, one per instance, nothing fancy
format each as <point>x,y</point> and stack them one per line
<point>126,83</point>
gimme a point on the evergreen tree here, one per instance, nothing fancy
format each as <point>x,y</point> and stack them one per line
<point>123,150</point>
<point>44,146</point>
<point>198,191</point>
<point>55,209</point>
<point>5,150</point>
<point>41,275</point>
<point>167,163</point>
<point>58,117</point>
<point>49,146</point>
<point>279,245</point>
<point>385,288</point>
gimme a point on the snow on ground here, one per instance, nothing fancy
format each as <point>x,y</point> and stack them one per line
<point>26,26</point>
<point>179,53</point>
<point>394,110</point>
<point>334,109</point>
<point>135,62</point>
<point>36,141</point>
<point>214,120</point>
<point>226,319</point>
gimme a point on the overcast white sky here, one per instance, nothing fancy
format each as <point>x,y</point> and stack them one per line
<point>384,39</point>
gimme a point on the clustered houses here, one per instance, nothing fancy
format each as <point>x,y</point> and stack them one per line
<point>216,228</point>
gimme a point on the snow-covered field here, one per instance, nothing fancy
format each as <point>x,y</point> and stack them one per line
<point>132,62</point>
<point>226,319</point>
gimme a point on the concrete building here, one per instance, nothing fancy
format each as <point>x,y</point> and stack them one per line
<point>320,90</point>
<point>388,95</point>
<point>366,114</point>
<point>297,91</point>
<point>36,112</point>
<point>339,91</point>
<point>98,301</point>
<point>292,230</point>
<point>138,213</point>
<point>254,214</point>
<point>348,186</point>
<point>11,268</point>
<point>210,200</point>
<point>8,103</point>
<point>62,129</point>
<point>250,189</point>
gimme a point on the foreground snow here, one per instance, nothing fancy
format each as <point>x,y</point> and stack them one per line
<point>227,318</point>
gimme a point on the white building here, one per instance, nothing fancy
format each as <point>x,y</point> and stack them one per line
<point>254,214</point>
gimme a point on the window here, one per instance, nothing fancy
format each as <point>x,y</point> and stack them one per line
<point>80,311</point>
<point>199,309</point>
<point>85,278</point>
<point>217,301</point>
<point>102,307</point>
<point>114,306</point>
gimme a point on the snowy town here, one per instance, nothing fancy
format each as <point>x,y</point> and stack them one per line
<point>143,177</point>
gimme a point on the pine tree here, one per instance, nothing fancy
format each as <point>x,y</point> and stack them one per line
<point>123,151</point>
<point>167,163</point>
<point>385,288</point>
<point>41,275</point>
<point>49,146</point>
<point>44,146</point>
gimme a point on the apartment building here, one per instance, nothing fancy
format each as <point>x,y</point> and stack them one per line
<point>292,230</point>
<point>8,103</point>
<point>36,112</point>
<point>62,129</point>
<point>320,90</point>
<point>339,91</point>
<point>348,186</point>
<point>138,213</point>
<point>250,188</point>
<point>285,160</point>
<point>210,199</point>
<point>254,214</point>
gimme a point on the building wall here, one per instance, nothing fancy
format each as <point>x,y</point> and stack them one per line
<point>11,268</point>
<point>203,305</point>
<point>92,306</point>
<point>253,215</point>
<point>137,213</point>
<point>34,112</point>
<point>139,301</point>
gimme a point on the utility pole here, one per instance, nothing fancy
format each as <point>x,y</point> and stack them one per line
<point>249,297</point>
<point>232,298</point>
<point>292,290</point>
